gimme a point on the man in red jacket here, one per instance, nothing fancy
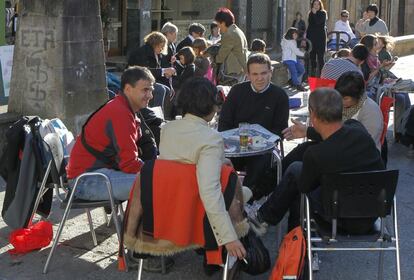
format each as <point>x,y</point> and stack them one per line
<point>108,142</point>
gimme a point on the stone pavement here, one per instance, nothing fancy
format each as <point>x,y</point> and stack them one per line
<point>77,258</point>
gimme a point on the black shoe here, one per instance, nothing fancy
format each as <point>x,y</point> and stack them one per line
<point>290,82</point>
<point>300,88</point>
<point>108,210</point>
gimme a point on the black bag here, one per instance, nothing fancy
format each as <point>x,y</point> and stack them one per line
<point>147,147</point>
<point>258,259</point>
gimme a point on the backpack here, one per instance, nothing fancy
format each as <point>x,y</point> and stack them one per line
<point>291,258</point>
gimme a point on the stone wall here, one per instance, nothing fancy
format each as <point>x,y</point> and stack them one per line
<point>58,68</point>
<point>404,45</point>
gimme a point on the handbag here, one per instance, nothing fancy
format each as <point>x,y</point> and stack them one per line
<point>257,256</point>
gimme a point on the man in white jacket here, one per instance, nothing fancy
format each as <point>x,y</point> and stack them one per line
<point>343,25</point>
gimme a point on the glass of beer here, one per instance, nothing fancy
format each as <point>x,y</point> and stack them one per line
<point>244,136</point>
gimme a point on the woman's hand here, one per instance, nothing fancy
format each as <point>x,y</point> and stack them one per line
<point>297,130</point>
<point>236,249</point>
<point>168,72</point>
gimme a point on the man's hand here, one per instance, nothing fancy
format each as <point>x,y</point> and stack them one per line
<point>236,249</point>
<point>297,130</point>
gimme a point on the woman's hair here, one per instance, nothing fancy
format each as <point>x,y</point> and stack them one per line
<point>168,27</point>
<point>368,41</point>
<point>387,41</point>
<point>213,25</point>
<point>188,54</point>
<point>198,96</point>
<point>373,8</point>
<point>289,33</point>
<point>200,44</point>
<point>351,84</point>
<point>320,3</point>
<point>155,38</point>
<point>258,45</point>
<point>224,15</point>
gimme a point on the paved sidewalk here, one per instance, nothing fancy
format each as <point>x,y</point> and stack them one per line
<point>77,258</point>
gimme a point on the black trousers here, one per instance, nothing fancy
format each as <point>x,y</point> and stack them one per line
<point>317,55</point>
<point>256,168</point>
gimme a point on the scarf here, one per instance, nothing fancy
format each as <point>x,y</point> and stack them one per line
<point>348,113</point>
<point>373,21</point>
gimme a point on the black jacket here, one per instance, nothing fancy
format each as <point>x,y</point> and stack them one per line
<point>186,42</point>
<point>145,56</point>
<point>166,59</point>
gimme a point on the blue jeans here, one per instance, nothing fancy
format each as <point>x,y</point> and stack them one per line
<point>94,187</point>
<point>296,70</point>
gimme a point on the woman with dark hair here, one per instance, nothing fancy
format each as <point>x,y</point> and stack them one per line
<point>150,55</point>
<point>185,57</point>
<point>351,86</point>
<point>300,24</point>
<point>191,141</point>
<point>316,33</point>
<point>290,54</point>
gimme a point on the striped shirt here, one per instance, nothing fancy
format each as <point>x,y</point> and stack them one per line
<point>335,67</point>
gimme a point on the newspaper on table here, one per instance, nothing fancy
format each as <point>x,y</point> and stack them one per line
<point>255,130</point>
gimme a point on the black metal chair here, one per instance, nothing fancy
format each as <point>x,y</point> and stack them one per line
<point>349,196</point>
<point>53,151</point>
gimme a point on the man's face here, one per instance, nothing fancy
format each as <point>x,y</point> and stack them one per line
<point>196,35</point>
<point>259,75</point>
<point>140,94</point>
<point>171,37</point>
<point>371,14</point>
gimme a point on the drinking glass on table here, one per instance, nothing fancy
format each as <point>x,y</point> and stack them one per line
<point>244,131</point>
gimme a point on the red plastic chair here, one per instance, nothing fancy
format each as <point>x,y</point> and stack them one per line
<point>315,83</point>
<point>385,106</point>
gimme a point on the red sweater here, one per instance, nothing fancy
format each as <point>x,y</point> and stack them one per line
<point>114,130</point>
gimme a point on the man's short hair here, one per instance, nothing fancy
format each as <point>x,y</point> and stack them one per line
<point>168,27</point>
<point>198,96</point>
<point>259,58</point>
<point>133,74</point>
<point>351,84</point>
<point>373,8</point>
<point>196,28</point>
<point>258,45</point>
<point>213,25</point>
<point>360,52</point>
<point>326,104</point>
<point>224,15</point>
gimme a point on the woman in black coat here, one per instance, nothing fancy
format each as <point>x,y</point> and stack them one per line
<point>149,55</point>
<point>316,33</point>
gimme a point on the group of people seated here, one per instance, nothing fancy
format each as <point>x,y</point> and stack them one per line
<point>346,125</point>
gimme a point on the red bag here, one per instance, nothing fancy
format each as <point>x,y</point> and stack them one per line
<point>291,259</point>
<point>32,238</point>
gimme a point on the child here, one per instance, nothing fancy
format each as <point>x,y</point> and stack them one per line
<point>202,63</point>
<point>215,35</point>
<point>258,46</point>
<point>186,67</point>
<point>290,52</point>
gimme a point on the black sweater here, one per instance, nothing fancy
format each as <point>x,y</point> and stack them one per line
<point>350,149</point>
<point>270,108</point>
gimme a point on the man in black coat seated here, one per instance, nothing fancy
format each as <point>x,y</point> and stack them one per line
<point>195,30</point>
<point>344,147</point>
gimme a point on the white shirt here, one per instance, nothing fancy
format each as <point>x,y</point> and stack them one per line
<point>343,26</point>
